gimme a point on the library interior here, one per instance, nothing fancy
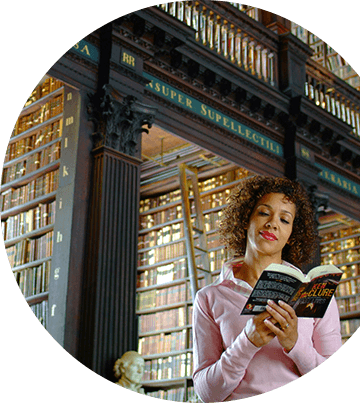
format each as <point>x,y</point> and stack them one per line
<point>123,157</point>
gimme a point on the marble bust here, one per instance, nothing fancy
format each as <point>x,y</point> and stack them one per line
<point>129,369</point>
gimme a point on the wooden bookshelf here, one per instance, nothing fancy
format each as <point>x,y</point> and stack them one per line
<point>164,303</point>
<point>29,183</point>
<point>35,187</point>
<point>340,245</point>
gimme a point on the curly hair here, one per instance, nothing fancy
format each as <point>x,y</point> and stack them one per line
<point>241,203</point>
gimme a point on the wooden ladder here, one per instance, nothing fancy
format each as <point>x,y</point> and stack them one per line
<point>195,246</point>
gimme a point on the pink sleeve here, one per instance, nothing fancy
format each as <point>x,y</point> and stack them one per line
<point>326,340</point>
<point>217,372</point>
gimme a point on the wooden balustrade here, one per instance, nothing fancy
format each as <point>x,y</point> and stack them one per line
<point>238,43</point>
<point>333,95</point>
<point>227,38</point>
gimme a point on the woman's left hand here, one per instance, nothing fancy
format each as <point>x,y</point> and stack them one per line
<point>283,323</point>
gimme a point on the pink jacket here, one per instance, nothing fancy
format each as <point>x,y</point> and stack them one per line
<point>227,366</point>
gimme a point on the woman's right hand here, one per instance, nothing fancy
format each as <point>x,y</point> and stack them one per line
<point>257,332</point>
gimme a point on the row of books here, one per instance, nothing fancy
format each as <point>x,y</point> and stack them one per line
<point>350,326</point>
<point>162,320</point>
<point>32,163</point>
<point>147,221</point>
<point>28,221</point>
<point>175,394</point>
<point>36,188</point>
<point>164,235</point>
<point>150,203</point>
<point>206,185</point>
<point>222,179</point>
<point>34,280</point>
<point>215,200</point>
<point>349,304</point>
<point>180,394</point>
<point>162,253</point>
<point>41,312</point>
<point>350,287</point>
<point>47,87</point>
<point>343,257</point>
<point>169,368</point>
<point>45,112</point>
<point>343,244</point>
<point>175,212</point>
<point>332,236</point>
<point>29,250</point>
<point>25,145</point>
<point>162,274</point>
<point>161,297</point>
<point>175,231</point>
<point>177,269</point>
<point>172,250</point>
<point>163,343</point>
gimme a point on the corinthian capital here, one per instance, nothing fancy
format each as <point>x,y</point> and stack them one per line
<point>119,125</point>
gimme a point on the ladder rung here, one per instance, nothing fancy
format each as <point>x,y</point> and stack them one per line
<point>201,249</point>
<point>197,229</point>
<point>203,269</point>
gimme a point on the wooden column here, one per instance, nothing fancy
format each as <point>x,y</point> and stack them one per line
<point>109,324</point>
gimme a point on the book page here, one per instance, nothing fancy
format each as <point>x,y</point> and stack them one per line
<point>271,285</point>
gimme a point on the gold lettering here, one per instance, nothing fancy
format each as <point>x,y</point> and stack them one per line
<point>86,49</point>
<point>56,273</point>
<point>240,127</point>
<point>211,114</point>
<point>60,203</point>
<point>172,94</point>
<point>53,307</point>
<point>165,91</point>
<point>225,121</point>
<point>218,117</point>
<point>65,143</point>
<point>355,190</point>
<point>305,153</point>
<point>59,237</point>
<point>128,59</point>
<point>69,121</point>
<point>65,171</point>
<point>248,133</point>
<point>157,87</point>
<point>188,103</point>
<point>69,97</point>
<point>255,138</point>
<point>233,127</point>
<point>180,99</point>
<point>150,84</point>
<point>76,46</point>
<point>203,109</point>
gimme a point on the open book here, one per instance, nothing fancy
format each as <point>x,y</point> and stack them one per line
<point>309,295</point>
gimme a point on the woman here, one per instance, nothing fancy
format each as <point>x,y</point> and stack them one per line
<point>267,220</point>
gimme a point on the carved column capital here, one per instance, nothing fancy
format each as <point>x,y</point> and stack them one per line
<point>118,125</point>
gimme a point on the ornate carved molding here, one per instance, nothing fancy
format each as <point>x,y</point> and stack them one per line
<point>118,125</point>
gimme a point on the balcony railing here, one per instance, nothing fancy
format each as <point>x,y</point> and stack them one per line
<point>254,49</point>
<point>227,38</point>
<point>333,95</point>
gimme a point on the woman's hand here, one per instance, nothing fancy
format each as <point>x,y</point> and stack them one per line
<point>283,323</point>
<point>257,331</point>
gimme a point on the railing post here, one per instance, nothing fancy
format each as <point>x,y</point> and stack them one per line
<point>292,64</point>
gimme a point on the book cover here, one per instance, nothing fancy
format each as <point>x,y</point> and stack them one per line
<point>309,295</point>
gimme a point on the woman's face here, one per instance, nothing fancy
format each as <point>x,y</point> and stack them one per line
<point>270,225</point>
